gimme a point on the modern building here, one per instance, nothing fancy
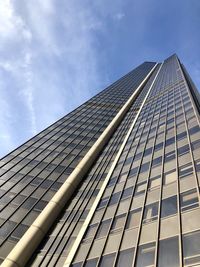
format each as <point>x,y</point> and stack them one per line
<point>113,183</point>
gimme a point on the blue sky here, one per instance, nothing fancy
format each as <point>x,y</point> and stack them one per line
<point>56,54</point>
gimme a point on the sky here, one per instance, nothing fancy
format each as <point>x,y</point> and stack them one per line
<point>56,54</point>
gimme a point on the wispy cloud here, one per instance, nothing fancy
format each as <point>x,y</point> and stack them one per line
<point>54,55</point>
<point>119,16</point>
<point>49,62</point>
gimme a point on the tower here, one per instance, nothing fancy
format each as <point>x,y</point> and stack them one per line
<point>113,183</point>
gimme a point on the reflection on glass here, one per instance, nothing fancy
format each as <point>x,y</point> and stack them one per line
<point>168,253</point>
<point>125,258</point>
<point>191,248</point>
<point>107,260</point>
<point>150,212</point>
<point>169,206</point>
<point>146,255</point>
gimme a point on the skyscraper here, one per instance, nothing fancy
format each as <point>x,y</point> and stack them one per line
<point>113,183</point>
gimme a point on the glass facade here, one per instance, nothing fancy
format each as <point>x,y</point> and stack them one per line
<point>139,203</point>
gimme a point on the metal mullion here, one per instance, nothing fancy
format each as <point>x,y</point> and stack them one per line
<point>42,152</point>
<point>100,171</point>
<point>101,163</point>
<point>77,110</point>
<point>120,200</point>
<point>92,241</point>
<point>161,182</point>
<point>123,228</point>
<point>28,210</point>
<point>104,186</point>
<point>41,172</point>
<point>132,197</point>
<point>145,198</point>
<point>36,141</point>
<point>188,135</point>
<point>48,145</point>
<point>105,208</point>
<point>134,188</point>
<point>178,186</point>
<point>189,89</point>
<point>191,153</point>
<point>189,143</point>
<point>49,162</point>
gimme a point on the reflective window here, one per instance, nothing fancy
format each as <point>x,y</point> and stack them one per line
<point>146,255</point>
<point>150,212</point>
<point>103,202</point>
<point>183,150</point>
<point>157,161</point>
<point>91,263</point>
<point>185,170</point>
<point>191,248</point>
<point>154,182</point>
<point>170,177</point>
<point>194,130</point>
<point>170,156</point>
<point>118,222</point>
<point>125,258</point>
<point>168,252</point>
<point>144,167</point>
<point>140,188</point>
<point>133,218</point>
<point>127,192</point>
<point>107,260</point>
<point>103,229</point>
<point>91,230</point>
<point>189,200</point>
<point>169,206</point>
<point>115,198</point>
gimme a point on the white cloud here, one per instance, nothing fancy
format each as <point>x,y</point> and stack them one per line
<point>119,16</point>
<point>48,60</point>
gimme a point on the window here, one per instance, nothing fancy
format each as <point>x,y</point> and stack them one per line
<point>107,260</point>
<point>148,151</point>
<point>181,136</point>
<point>103,202</point>
<point>191,248</point>
<point>140,188</point>
<point>104,228</point>
<point>114,198</point>
<point>194,130</point>
<point>127,192</point>
<point>197,165</point>
<point>158,146</point>
<point>170,141</point>
<point>195,144</point>
<point>144,167</point>
<point>91,263</point>
<point>157,161</point>
<point>189,200</point>
<point>170,177</point>
<point>154,182</point>
<point>133,218</point>
<point>91,231</point>
<point>125,258</point>
<point>170,156</point>
<point>118,223</point>
<point>169,252</point>
<point>146,255</point>
<point>183,150</point>
<point>169,206</point>
<point>150,212</point>
<point>134,171</point>
<point>185,170</point>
